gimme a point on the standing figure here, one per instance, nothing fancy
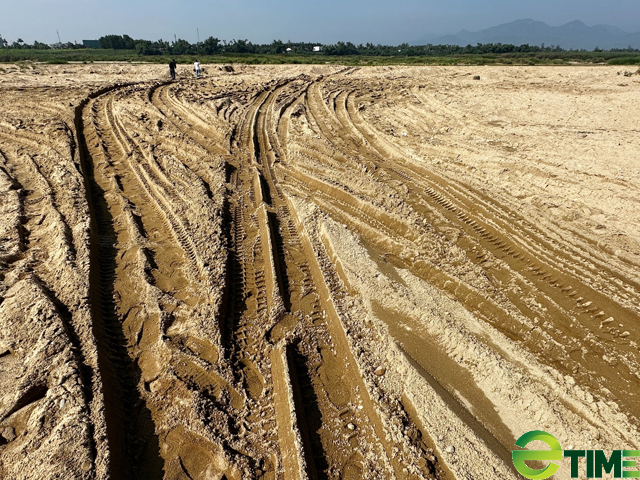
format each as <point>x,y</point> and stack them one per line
<point>196,68</point>
<point>172,69</point>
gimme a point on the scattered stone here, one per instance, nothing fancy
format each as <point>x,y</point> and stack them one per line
<point>450,449</point>
<point>605,322</point>
<point>476,77</point>
<point>380,371</point>
<point>351,426</point>
<point>9,434</point>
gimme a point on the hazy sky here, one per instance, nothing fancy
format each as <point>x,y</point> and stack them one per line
<point>325,21</point>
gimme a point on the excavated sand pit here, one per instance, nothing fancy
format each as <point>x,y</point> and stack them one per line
<point>315,272</point>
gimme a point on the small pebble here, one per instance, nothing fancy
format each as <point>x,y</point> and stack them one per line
<point>380,371</point>
<point>450,449</point>
<point>351,426</point>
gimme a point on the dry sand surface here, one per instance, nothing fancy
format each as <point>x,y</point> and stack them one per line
<point>315,272</point>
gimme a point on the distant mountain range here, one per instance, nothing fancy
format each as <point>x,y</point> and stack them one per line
<point>574,35</point>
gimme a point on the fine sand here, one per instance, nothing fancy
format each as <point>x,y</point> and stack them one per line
<point>315,272</point>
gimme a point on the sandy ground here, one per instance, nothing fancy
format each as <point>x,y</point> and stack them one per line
<point>308,272</point>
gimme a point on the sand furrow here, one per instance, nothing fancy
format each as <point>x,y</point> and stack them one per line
<point>292,272</point>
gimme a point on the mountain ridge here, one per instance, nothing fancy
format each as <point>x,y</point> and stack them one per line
<point>572,35</point>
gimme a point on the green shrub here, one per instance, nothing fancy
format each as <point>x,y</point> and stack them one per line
<point>624,61</point>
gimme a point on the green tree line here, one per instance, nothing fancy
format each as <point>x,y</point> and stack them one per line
<point>215,46</point>
<point>20,44</point>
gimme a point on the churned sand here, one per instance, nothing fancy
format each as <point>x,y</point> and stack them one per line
<point>292,272</point>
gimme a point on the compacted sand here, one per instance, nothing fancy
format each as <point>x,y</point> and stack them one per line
<point>315,272</point>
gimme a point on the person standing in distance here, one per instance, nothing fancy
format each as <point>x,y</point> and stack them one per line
<point>196,68</point>
<point>172,69</point>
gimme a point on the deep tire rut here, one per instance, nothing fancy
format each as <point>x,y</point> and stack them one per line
<point>293,273</point>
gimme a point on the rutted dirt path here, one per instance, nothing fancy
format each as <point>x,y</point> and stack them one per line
<point>309,272</point>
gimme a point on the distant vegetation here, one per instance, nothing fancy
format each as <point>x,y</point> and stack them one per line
<point>214,50</point>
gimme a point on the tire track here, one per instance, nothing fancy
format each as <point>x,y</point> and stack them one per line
<point>536,290</point>
<point>51,254</point>
<point>186,121</point>
<point>286,273</point>
<point>545,266</point>
<point>293,259</point>
<point>123,404</point>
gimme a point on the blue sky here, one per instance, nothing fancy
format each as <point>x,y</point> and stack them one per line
<point>325,21</point>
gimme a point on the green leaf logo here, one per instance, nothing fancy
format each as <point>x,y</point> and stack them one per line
<point>519,456</point>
